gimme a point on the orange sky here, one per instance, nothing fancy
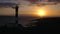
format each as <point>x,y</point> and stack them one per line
<point>51,10</point>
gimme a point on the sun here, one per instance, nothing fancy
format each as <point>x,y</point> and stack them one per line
<point>41,13</point>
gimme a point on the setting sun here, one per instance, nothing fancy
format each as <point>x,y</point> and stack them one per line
<point>41,13</point>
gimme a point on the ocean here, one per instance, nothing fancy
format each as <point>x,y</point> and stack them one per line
<point>23,20</point>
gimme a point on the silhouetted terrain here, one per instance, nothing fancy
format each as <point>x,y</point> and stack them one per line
<point>47,25</point>
<point>43,25</point>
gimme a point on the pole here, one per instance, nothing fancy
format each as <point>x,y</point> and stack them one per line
<point>16,14</point>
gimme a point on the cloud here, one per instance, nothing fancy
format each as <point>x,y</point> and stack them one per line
<point>32,1</point>
<point>24,3</point>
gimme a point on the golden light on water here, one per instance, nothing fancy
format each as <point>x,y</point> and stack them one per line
<point>41,13</point>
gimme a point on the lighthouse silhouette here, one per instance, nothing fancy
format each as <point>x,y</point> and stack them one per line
<point>16,14</point>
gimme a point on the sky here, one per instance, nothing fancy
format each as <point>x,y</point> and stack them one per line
<point>28,8</point>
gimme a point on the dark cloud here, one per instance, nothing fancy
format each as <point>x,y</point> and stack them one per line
<point>32,1</point>
<point>54,0</point>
